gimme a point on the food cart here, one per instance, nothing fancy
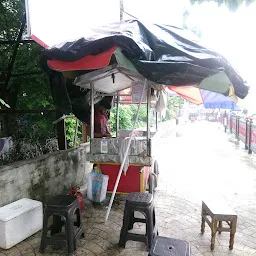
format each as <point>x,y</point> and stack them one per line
<point>108,59</point>
<point>109,153</point>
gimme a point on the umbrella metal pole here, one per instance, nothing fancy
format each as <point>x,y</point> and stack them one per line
<point>126,154</point>
<point>92,114</point>
<point>117,113</point>
<point>156,121</point>
<point>148,124</point>
<point>75,133</point>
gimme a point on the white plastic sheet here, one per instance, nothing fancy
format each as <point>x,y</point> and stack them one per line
<point>161,104</point>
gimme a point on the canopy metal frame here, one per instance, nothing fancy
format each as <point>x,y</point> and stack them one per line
<point>89,80</point>
<point>113,72</point>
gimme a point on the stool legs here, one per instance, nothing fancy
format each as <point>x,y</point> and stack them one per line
<point>214,230</point>
<point>129,220</point>
<point>69,233</point>
<point>78,218</point>
<point>69,239</point>
<point>44,233</point>
<point>78,222</point>
<point>150,229</point>
<point>125,227</point>
<point>57,224</point>
<point>203,222</point>
<point>232,233</point>
<point>220,226</point>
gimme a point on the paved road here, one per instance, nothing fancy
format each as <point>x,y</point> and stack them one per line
<point>207,163</point>
<point>203,162</point>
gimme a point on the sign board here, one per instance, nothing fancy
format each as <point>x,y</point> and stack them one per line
<point>52,22</point>
<point>137,88</point>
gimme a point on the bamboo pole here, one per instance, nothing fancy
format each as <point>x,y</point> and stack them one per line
<point>126,154</point>
<point>76,133</point>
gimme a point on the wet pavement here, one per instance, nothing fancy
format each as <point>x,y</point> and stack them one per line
<point>201,162</point>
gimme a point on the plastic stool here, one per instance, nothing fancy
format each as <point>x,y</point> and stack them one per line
<point>164,246</point>
<point>62,208</point>
<point>141,202</point>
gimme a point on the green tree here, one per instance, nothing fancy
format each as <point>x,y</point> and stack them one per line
<point>71,130</point>
<point>125,118</point>
<point>127,115</point>
<point>22,91</point>
<point>173,106</point>
<point>27,88</point>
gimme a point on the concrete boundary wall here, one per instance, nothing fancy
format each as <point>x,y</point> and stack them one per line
<point>45,176</point>
<point>52,174</point>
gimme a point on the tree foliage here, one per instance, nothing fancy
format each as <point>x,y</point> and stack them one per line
<point>71,132</point>
<point>33,133</point>
<point>127,115</point>
<point>35,87</point>
<point>173,107</point>
<point>23,91</point>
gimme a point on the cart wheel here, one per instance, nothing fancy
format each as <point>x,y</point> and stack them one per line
<point>156,168</point>
<point>156,172</point>
<point>151,184</point>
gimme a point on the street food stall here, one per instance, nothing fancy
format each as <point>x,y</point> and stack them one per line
<point>90,62</point>
<point>104,60</point>
<point>140,167</point>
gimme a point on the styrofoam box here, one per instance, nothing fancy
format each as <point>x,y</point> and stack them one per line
<point>19,220</point>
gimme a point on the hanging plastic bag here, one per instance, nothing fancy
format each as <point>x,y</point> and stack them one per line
<point>97,186</point>
<point>161,104</point>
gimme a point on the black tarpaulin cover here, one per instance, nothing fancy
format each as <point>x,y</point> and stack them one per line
<point>161,53</point>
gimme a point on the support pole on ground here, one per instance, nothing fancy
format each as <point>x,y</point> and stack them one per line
<point>225,121</point>
<point>92,115</point>
<point>250,137</point>
<point>148,121</point>
<point>117,113</point>
<point>246,134</point>
<point>237,127</point>
<point>126,153</point>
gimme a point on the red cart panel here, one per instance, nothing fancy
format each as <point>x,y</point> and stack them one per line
<point>134,180</point>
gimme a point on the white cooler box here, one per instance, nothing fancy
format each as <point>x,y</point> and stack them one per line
<point>19,220</point>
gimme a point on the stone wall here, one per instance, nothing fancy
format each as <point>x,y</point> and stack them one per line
<point>45,176</point>
<point>52,174</point>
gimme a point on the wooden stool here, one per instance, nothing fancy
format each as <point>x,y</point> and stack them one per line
<point>219,212</point>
